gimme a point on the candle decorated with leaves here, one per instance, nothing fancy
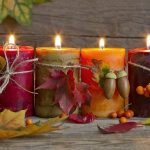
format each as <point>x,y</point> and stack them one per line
<point>139,77</point>
<point>103,81</point>
<point>57,81</point>
<point>16,77</point>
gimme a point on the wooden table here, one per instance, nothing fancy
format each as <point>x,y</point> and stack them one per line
<point>83,137</point>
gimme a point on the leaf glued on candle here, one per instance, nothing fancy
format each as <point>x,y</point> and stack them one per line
<point>118,128</point>
<point>99,71</point>
<point>68,93</point>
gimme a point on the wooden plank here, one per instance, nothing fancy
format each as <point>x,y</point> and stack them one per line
<point>85,137</point>
<point>96,17</point>
<point>77,41</point>
<point>82,22</point>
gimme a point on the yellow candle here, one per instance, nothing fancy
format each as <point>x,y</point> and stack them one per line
<point>115,59</point>
<point>44,105</point>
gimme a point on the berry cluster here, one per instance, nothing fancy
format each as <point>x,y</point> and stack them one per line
<point>145,91</point>
<point>122,115</point>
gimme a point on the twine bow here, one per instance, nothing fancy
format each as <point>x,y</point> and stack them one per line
<point>10,69</point>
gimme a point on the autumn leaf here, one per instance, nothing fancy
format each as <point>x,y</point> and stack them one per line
<point>146,121</point>
<point>118,128</point>
<point>2,63</point>
<point>34,129</point>
<point>100,69</point>
<point>82,94</point>
<point>68,93</point>
<point>40,1</point>
<point>20,10</point>
<point>12,120</point>
<point>82,119</point>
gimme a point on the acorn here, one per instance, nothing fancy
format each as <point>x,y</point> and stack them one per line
<point>123,84</point>
<point>109,85</point>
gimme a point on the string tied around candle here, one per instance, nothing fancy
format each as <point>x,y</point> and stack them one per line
<point>139,66</point>
<point>10,69</point>
<point>66,66</point>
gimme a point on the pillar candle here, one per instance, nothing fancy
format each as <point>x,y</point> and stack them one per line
<point>115,59</point>
<point>14,97</point>
<point>139,75</point>
<point>44,106</point>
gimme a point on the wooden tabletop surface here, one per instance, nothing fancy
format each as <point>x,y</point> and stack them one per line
<point>83,137</point>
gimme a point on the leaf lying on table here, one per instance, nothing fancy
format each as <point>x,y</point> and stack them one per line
<point>118,128</point>
<point>146,121</point>
<point>34,129</point>
<point>68,93</point>
<point>87,118</point>
<point>12,124</point>
<point>12,120</point>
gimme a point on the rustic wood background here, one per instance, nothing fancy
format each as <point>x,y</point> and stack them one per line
<point>125,22</point>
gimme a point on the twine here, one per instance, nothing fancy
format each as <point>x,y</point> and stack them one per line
<point>10,69</point>
<point>65,66</point>
<point>139,66</point>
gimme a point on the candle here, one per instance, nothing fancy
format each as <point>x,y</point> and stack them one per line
<point>115,59</point>
<point>16,96</point>
<point>139,78</point>
<point>44,105</point>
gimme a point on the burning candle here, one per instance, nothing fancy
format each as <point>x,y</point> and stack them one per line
<point>139,77</point>
<point>54,56</point>
<point>109,58</point>
<point>16,95</point>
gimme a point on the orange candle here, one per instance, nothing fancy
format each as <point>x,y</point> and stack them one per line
<point>115,59</point>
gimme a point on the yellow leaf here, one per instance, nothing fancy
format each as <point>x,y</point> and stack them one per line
<point>12,120</point>
<point>2,63</point>
<point>37,128</point>
<point>146,122</point>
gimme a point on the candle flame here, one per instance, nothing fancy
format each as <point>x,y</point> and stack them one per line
<point>148,41</point>
<point>101,43</point>
<point>58,41</point>
<point>11,39</point>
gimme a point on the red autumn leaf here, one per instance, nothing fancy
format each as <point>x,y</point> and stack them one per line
<point>87,118</point>
<point>118,128</point>
<point>64,96</point>
<point>81,93</point>
<point>54,80</point>
<point>68,93</point>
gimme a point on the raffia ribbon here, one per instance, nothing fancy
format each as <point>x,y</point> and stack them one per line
<point>10,69</point>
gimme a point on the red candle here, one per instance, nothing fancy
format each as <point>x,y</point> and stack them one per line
<point>139,77</point>
<point>14,97</point>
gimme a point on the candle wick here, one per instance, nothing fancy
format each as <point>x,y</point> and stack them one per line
<point>58,47</point>
<point>102,48</point>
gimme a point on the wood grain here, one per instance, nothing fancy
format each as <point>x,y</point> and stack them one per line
<point>83,21</point>
<point>83,137</point>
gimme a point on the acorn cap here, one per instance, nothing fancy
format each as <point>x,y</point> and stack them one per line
<point>121,74</point>
<point>111,75</point>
